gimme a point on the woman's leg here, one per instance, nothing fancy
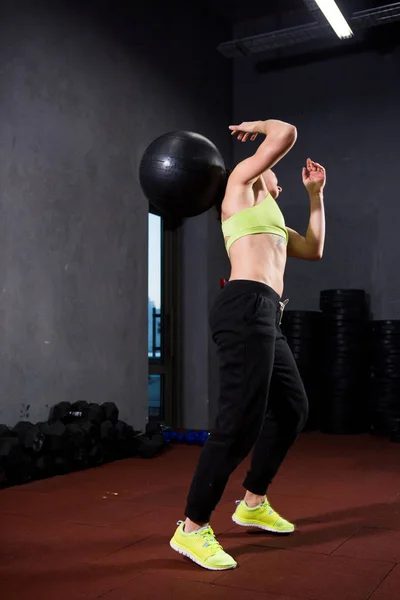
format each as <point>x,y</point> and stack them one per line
<point>285,418</point>
<point>243,324</point>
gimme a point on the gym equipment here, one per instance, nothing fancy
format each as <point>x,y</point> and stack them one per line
<point>60,411</point>
<point>152,427</point>
<point>67,412</point>
<point>77,436</point>
<point>125,434</point>
<point>154,432</point>
<point>158,440</point>
<point>15,465</point>
<point>108,433</point>
<point>182,174</point>
<point>344,408</point>
<point>384,389</point>
<point>190,437</point>
<point>29,436</point>
<point>43,466</point>
<point>302,329</point>
<point>395,430</point>
<point>196,437</point>
<point>145,448</point>
<point>111,412</point>
<point>170,435</point>
<point>4,431</point>
<point>56,435</point>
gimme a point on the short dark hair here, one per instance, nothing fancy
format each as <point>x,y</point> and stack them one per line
<point>220,199</point>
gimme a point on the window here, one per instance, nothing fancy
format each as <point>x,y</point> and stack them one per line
<point>163,310</point>
<point>155,288</point>
<point>155,397</point>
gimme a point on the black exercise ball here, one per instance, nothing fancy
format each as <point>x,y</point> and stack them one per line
<point>182,174</point>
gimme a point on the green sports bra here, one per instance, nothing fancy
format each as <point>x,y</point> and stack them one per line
<point>265,217</point>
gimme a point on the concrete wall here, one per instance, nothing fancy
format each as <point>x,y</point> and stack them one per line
<point>346,111</point>
<point>84,87</point>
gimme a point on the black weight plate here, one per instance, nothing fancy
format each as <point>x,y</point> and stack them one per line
<point>344,327</point>
<point>384,383</point>
<point>344,395</point>
<point>307,350</point>
<point>338,361</point>
<point>297,332</point>
<point>330,357</point>
<point>351,341</point>
<point>385,350</point>
<point>343,335</point>
<point>343,370</point>
<point>302,315</point>
<point>385,360</point>
<point>378,388</point>
<point>384,337</point>
<point>340,383</point>
<point>385,325</point>
<point>386,372</point>
<point>297,324</point>
<point>333,294</point>
<point>347,310</point>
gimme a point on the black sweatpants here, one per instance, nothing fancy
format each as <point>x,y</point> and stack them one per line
<point>256,365</point>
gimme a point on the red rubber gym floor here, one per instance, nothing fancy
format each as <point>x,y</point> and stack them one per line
<point>104,533</point>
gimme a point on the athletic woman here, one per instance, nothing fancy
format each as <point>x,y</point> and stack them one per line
<point>256,363</point>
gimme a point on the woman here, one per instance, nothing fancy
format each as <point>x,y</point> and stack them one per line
<point>255,359</point>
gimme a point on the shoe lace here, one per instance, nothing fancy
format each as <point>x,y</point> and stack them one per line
<point>269,508</point>
<point>209,539</point>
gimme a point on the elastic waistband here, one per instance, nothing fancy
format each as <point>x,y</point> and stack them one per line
<point>246,286</point>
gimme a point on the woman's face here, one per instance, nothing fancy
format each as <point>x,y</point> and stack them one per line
<point>271,182</point>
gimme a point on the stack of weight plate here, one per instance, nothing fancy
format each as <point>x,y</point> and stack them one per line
<point>344,404</point>
<point>385,377</point>
<point>303,332</point>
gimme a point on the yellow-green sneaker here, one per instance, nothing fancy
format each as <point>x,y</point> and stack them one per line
<point>202,548</point>
<point>262,516</point>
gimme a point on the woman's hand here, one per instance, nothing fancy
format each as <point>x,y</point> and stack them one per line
<point>314,177</point>
<point>246,130</point>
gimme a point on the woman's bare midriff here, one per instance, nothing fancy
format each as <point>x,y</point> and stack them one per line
<point>260,257</point>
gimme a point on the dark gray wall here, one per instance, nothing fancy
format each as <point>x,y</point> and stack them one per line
<point>84,87</point>
<point>346,111</point>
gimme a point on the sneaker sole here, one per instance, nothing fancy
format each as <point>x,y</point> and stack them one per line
<point>195,560</point>
<point>264,527</point>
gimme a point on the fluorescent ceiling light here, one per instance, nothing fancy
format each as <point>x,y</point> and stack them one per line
<point>335,18</point>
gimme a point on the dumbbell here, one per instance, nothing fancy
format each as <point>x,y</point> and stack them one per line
<point>108,437</point>
<point>29,436</point>
<point>96,455</point>
<point>87,411</point>
<point>111,412</point>
<point>69,413</point>
<point>4,431</point>
<point>84,446</point>
<point>125,436</point>
<point>145,447</point>
<point>3,477</point>
<point>77,446</point>
<point>196,437</point>
<point>44,466</point>
<point>154,432</point>
<point>56,436</point>
<point>60,411</point>
<point>395,429</point>
<point>16,465</point>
